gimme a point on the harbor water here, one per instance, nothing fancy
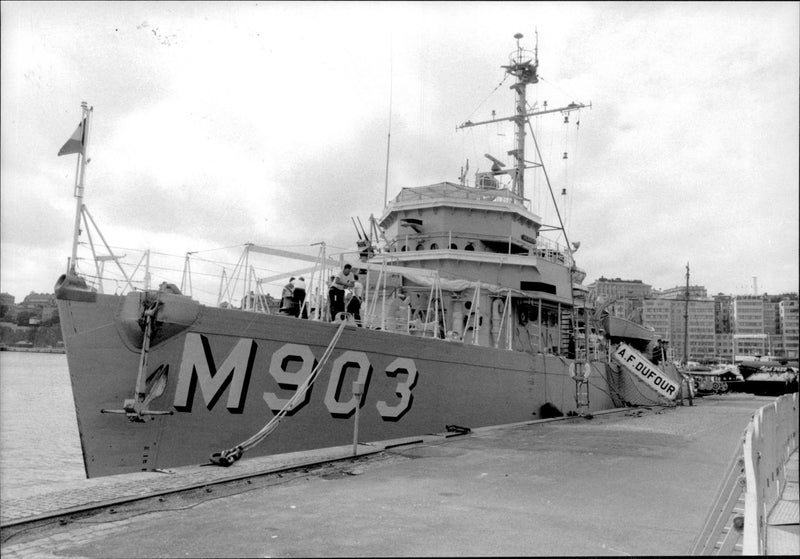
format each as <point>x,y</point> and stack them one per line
<point>39,442</point>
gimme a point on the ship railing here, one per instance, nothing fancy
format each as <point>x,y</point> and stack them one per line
<point>553,251</point>
<point>595,347</point>
<point>454,191</point>
<point>544,248</point>
<point>521,56</point>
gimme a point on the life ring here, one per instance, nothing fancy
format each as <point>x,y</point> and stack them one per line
<point>522,316</point>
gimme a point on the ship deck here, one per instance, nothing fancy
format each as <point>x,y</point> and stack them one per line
<point>636,481</point>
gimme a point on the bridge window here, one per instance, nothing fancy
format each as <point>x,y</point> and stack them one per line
<point>434,246</point>
<point>420,247</point>
<point>453,246</point>
<point>469,246</point>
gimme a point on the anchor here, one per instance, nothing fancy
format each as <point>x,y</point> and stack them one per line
<point>146,391</point>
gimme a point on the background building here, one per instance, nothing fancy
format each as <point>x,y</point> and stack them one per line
<point>626,296</point>
<point>695,292</point>
<point>723,314</point>
<point>790,327</point>
<point>724,346</point>
<point>749,337</point>
<point>668,318</point>
<point>724,327</point>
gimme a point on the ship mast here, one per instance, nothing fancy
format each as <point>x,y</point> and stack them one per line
<point>686,322</point>
<point>525,70</point>
<point>523,65</point>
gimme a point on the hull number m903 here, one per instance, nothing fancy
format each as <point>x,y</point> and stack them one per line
<point>290,365</point>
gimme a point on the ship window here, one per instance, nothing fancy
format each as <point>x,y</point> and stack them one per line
<point>420,247</point>
<point>537,286</point>
<point>434,246</point>
<point>453,246</point>
<point>470,246</point>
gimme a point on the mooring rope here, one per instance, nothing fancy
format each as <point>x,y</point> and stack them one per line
<point>228,457</point>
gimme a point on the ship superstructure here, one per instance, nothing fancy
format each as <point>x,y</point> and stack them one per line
<point>486,234</point>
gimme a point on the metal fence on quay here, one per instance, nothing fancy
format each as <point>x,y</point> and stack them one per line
<point>753,483</point>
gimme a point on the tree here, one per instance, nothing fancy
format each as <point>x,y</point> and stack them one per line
<point>54,320</point>
<point>23,318</point>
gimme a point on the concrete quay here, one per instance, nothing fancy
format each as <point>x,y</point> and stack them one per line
<point>631,482</point>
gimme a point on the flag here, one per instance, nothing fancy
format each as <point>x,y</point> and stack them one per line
<point>75,143</point>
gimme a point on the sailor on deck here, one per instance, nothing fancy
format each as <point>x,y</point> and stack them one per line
<point>340,283</point>
<point>354,304</point>
<point>299,297</point>
<point>287,302</point>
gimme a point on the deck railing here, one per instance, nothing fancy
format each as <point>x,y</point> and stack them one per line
<point>545,248</point>
<point>454,191</point>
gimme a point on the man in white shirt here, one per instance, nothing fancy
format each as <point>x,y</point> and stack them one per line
<point>354,305</point>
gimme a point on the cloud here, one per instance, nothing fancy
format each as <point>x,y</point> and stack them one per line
<point>219,124</point>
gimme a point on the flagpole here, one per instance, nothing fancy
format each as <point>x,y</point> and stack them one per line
<point>79,175</point>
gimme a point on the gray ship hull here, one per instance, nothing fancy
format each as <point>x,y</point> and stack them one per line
<point>228,372</point>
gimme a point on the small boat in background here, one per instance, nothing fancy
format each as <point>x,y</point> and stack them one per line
<point>768,378</point>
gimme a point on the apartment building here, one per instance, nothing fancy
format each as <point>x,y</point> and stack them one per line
<point>723,326</point>
<point>749,337</point>
<point>679,292</point>
<point>668,318</point>
<point>790,327</point>
<point>723,314</point>
<point>625,295</point>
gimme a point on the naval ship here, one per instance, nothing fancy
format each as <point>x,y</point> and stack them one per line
<point>470,317</point>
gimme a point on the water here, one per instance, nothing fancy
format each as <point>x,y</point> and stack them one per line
<point>39,442</point>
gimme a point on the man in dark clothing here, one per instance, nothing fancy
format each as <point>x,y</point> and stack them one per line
<point>331,295</point>
<point>299,297</point>
<point>354,304</point>
<point>658,353</point>
<point>340,283</point>
<point>287,302</point>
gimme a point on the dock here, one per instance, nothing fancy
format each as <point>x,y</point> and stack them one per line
<point>634,481</point>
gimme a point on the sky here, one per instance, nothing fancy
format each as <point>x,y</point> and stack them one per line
<point>221,124</point>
